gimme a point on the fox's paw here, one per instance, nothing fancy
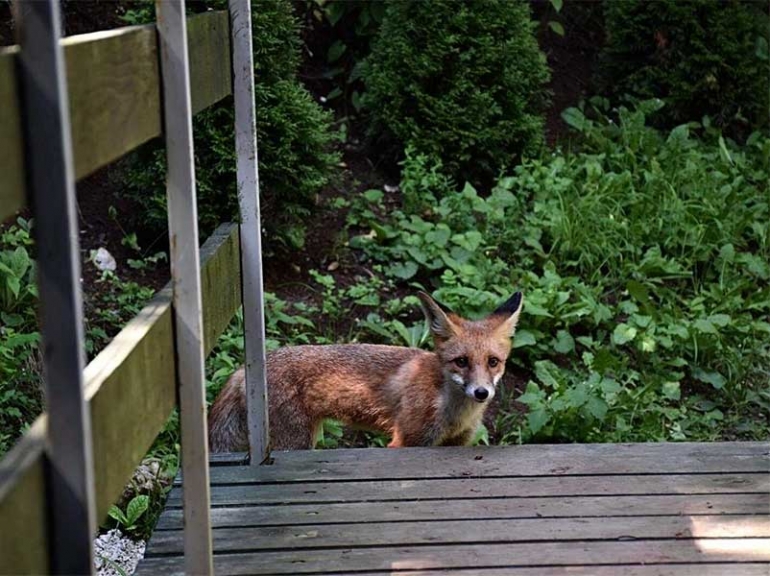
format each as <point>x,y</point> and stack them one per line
<point>397,441</point>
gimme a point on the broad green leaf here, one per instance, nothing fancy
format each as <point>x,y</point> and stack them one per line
<point>565,343</point>
<point>544,371</point>
<point>557,4</point>
<point>117,514</point>
<point>334,11</point>
<point>704,326</point>
<point>373,196</point>
<point>537,419</point>
<point>727,253</point>
<point>713,378</point>
<point>609,386</point>
<point>597,408</point>
<point>648,343</point>
<point>524,338</point>
<point>137,507</point>
<point>14,285</point>
<point>575,118</point>
<point>532,395</point>
<point>556,27</point>
<point>623,334</point>
<point>577,395</point>
<point>438,237</point>
<point>403,270</point>
<point>720,320</point>
<point>535,310</point>
<point>638,291</point>
<point>672,391</point>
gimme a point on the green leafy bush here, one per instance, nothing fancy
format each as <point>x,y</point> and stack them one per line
<point>644,263</point>
<point>20,395</point>
<point>702,57</point>
<point>294,139</point>
<point>459,81</point>
<point>107,310</point>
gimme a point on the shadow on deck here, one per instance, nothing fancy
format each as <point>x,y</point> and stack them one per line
<point>607,509</point>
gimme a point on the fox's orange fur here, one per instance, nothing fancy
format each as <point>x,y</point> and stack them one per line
<point>420,398</point>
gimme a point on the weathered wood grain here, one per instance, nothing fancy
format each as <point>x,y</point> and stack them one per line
<point>227,458</point>
<point>251,232</point>
<point>519,487</point>
<point>12,185</point>
<point>505,461</point>
<point>493,508</point>
<point>219,283</point>
<point>114,94</point>
<point>754,569</point>
<point>134,373</point>
<point>186,278</point>
<point>463,531</point>
<point>209,51</point>
<point>23,511</point>
<point>114,91</point>
<point>50,177</point>
<point>476,556</point>
<point>130,388</point>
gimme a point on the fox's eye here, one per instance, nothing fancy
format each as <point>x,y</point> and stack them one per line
<point>461,362</point>
<point>493,362</point>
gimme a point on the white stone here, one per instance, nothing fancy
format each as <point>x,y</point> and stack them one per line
<point>103,260</point>
<point>114,549</point>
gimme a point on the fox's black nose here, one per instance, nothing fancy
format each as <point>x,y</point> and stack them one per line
<point>481,394</point>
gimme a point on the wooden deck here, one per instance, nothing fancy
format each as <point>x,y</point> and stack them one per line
<point>609,509</point>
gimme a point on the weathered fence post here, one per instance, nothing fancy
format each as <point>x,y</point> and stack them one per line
<point>50,181</point>
<point>185,273</point>
<point>51,185</point>
<point>251,230</point>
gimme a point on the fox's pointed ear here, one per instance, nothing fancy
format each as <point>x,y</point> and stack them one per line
<point>509,311</point>
<point>439,322</point>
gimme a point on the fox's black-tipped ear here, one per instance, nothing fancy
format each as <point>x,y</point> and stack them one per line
<point>439,323</point>
<point>510,306</point>
<point>509,311</point>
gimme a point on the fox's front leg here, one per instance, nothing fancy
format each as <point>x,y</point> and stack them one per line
<point>397,441</point>
<point>412,433</point>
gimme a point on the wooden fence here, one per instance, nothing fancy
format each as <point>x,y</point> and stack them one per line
<point>54,484</point>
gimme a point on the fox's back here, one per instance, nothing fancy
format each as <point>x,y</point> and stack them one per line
<point>349,382</point>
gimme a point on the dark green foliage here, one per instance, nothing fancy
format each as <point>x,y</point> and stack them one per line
<point>20,395</point>
<point>643,259</point>
<point>293,132</point>
<point>459,81</point>
<point>702,57</point>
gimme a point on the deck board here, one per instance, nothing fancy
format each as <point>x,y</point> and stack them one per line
<point>644,509</point>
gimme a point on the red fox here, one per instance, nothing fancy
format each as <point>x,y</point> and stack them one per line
<point>420,398</point>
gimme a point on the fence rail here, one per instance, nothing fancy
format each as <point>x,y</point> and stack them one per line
<point>114,93</point>
<point>132,386</point>
<point>130,391</point>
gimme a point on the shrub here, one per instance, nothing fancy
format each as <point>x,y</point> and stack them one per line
<point>293,132</point>
<point>644,263</point>
<point>20,394</point>
<point>458,81</point>
<point>702,57</point>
